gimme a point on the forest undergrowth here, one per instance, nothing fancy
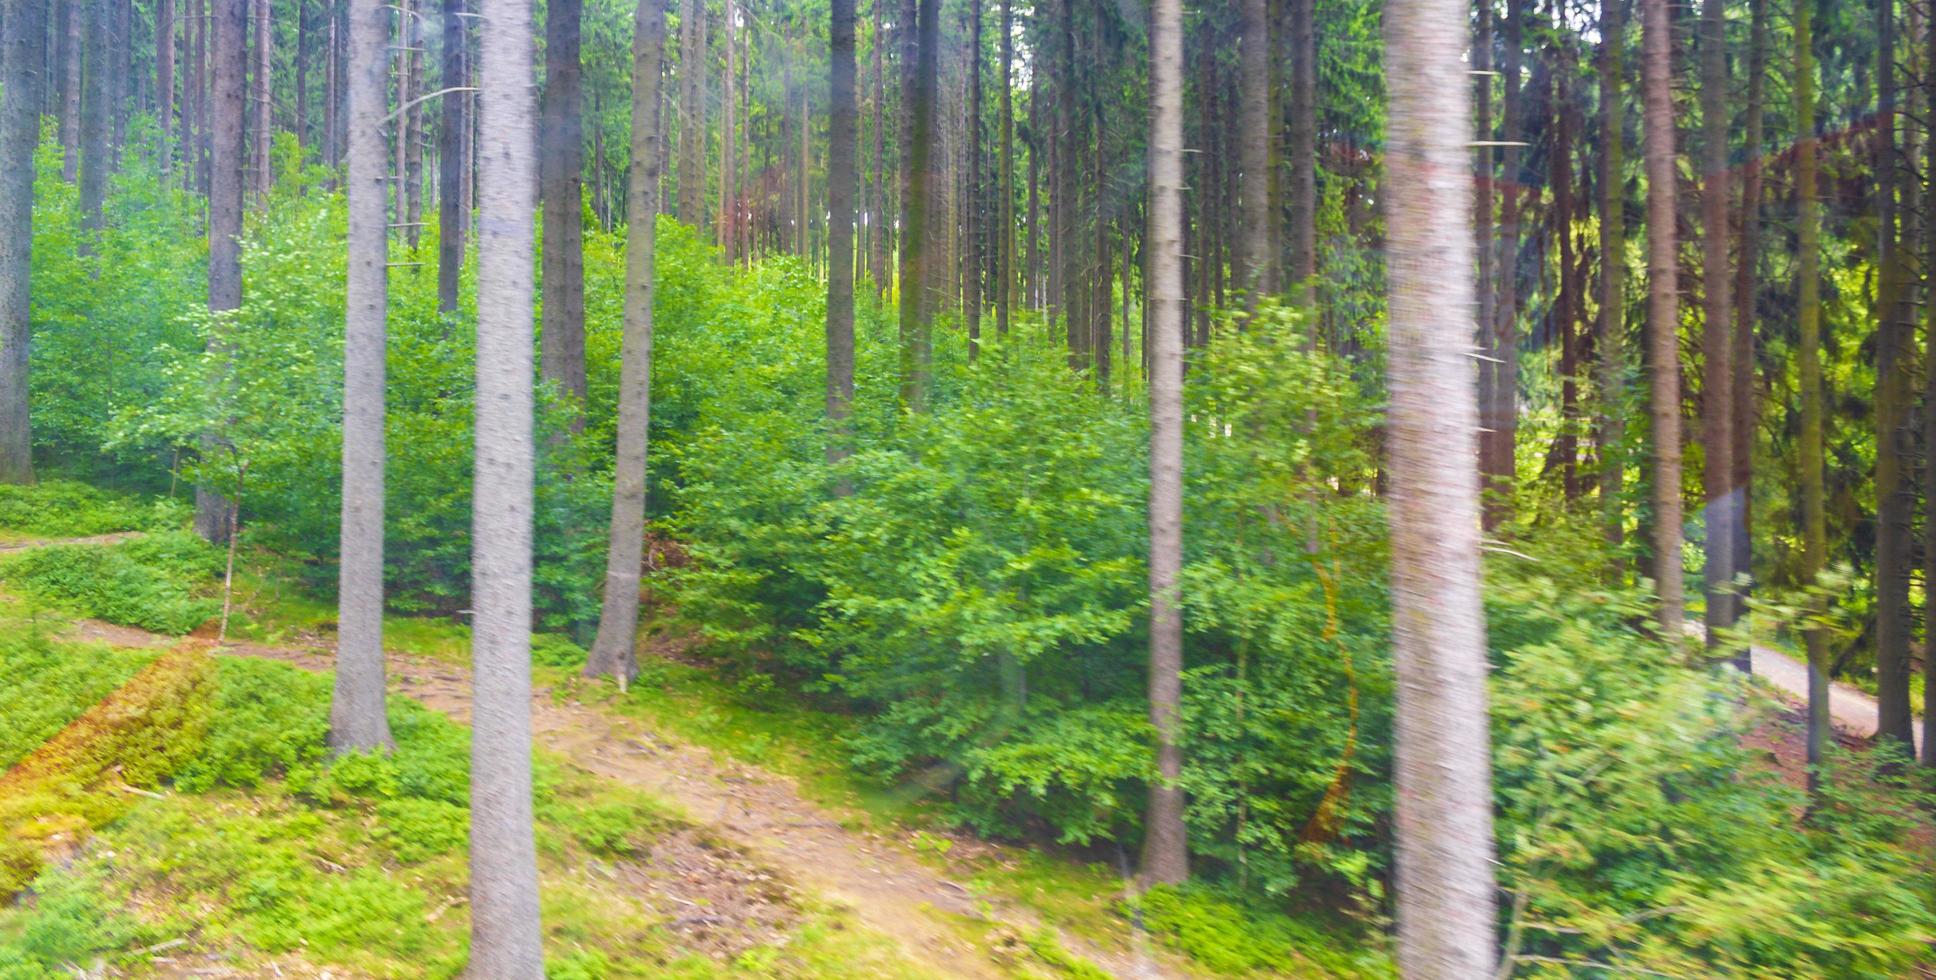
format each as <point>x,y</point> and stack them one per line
<point>955,648</point>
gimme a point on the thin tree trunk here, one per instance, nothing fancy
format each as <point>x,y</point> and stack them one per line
<point>561,162</point>
<point>1445,895</point>
<point>303,30</point>
<point>164,79</point>
<point>357,721</point>
<point>25,27</point>
<point>1568,304</point>
<point>452,218</point>
<point>1893,354</point>
<point>1746,281</point>
<point>71,65</point>
<point>412,123</point>
<point>1257,212</point>
<point>1612,334</point>
<point>330,81</point>
<point>973,228</point>
<point>917,209</point>
<point>1482,211</point>
<point>1717,337</point>
<point>228,36</point>
<point>1808,275</point>
<point>841,147</point>
<point>692,113</point>
<point>878,226</point>
<point>1500,418</point>
<point>728,230</point>
<point>1663,314</point>
<point>95,162</point>
<point>1165,840</point>
<point>613,652</point>
<point>1929,404</point>
<point>506,940</point>
<point>1005,207</point>
<point>1304,149</point>
<point>264,119</point>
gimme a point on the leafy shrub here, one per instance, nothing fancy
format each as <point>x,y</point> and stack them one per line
<point>1231,936</point>
<point>269,718</point>
<point>71,509</point>
<point>157,582</point>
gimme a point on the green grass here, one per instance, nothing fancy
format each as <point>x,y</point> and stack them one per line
<point>267,852</point>
<point>1081,898</point>
<point>160,582</point>
<point>49,684</point>
<point>67,509</point>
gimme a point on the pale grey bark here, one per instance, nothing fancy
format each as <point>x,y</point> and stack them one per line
<point>25,25</point>
<point>505,937</point>
<point>356,712</point>
<point>1443,769</point>
<point>1165,843</point>
<point>613,652</point>
<point>842,147</point>
<point>262,117</point>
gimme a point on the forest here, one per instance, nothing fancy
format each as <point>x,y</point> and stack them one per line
<point>1057,488</point>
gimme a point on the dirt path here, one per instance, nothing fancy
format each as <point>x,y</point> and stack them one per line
<point>1850,709</point>
<point>886,888</point>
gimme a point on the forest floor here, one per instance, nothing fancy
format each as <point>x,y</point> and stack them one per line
<point>892,879</point>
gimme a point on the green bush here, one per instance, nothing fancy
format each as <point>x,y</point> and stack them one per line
<point>71,509</point>
<point>159,582</point>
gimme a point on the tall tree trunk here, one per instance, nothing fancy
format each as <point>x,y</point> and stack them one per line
<point>228,36</point>
<point>1929,401</point>
<point>1501,412</point>
<point>1005,180</point>
<point>728,230</point>
<point>303,30</point>
<point>452,217</point>
<point>95,120</point>
<point>1568,303</point>
<point>1746,282</point>
<point>1446,925</point>
<point>877,222</point>
<point>330,82</point>
<point>263,125</point>
<point>1663,313</point>
<point>613,652</point>
<point>1611,338</point>
<point>164,79</point>
<point>1165,840</point>
<point>203,76</point>
<point>22,32</point>
<point>1304,150</point>
<point>1808,308</point>
<point>917,208</point>
<point>71,65</point>
<point>561,161</point>
<point>841,147</point>
<point>1258,211</point>
<point>357,721</point>
<point>692,113</point>
<point>1717,336</point>
<point>506,941</point>
<point>1893,354</point>
<point>973,230</point>
<point>1488,184</point>
<point>412,123</point>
